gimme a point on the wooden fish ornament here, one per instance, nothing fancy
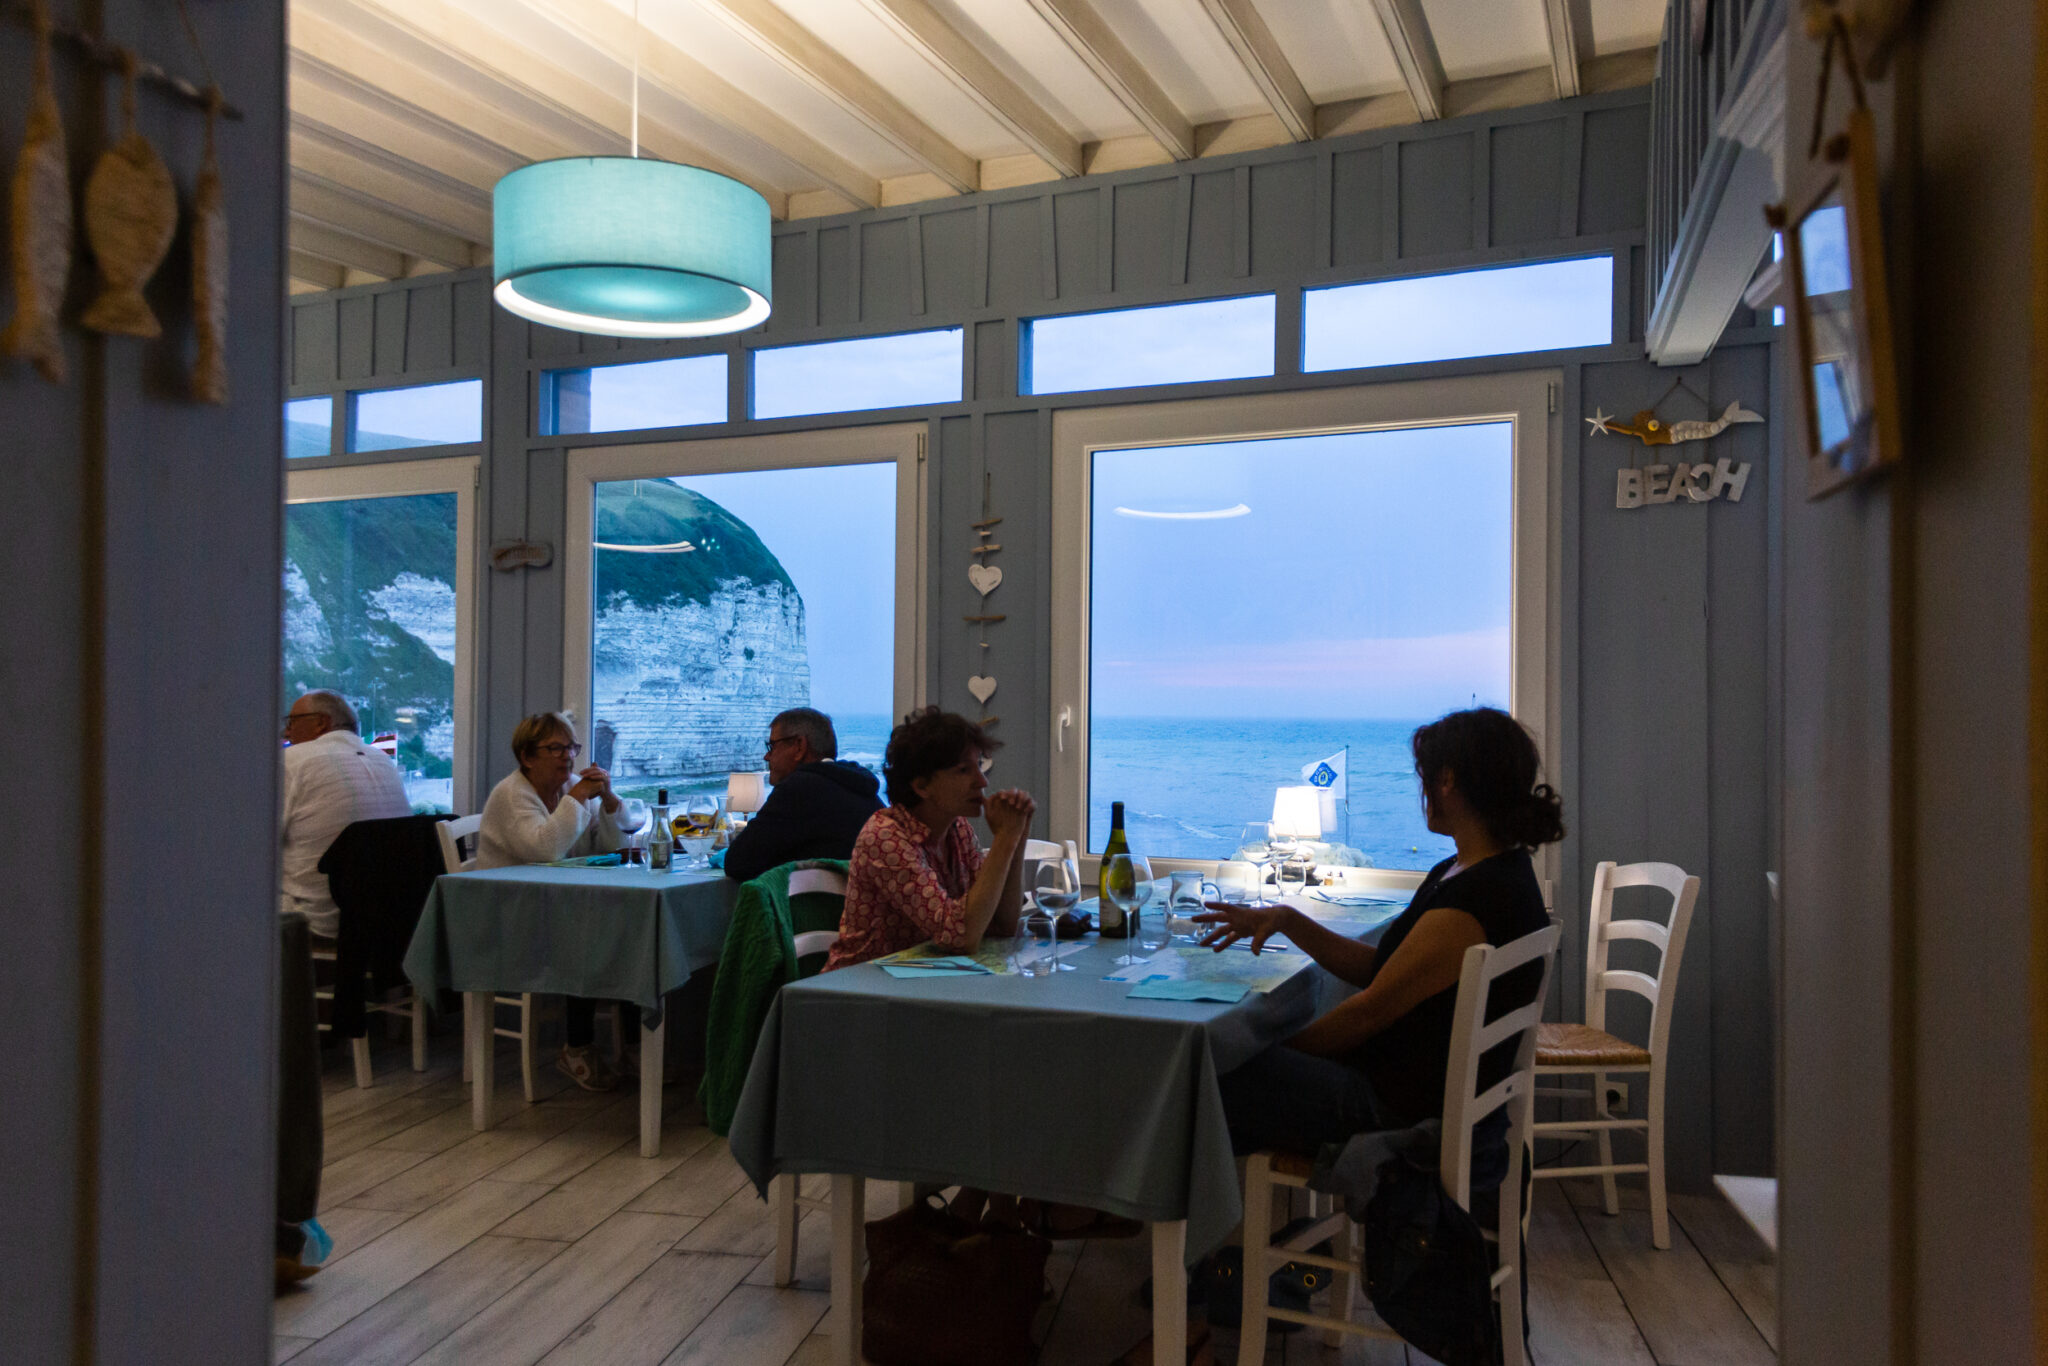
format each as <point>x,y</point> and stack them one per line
<point>131,214</point>
<point>1648,428</point>
<point>210,271</point>
<point>41,221</point>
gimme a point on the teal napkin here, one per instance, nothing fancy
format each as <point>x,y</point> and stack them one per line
<point>1193,989</point>
<point>589,861</point>
<point>936,967</point>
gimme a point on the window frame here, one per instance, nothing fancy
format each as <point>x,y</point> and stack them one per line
<point>346,401</point>
<point>589,466</point>
<point>1526,399</point>
<point>1027,347</point>
<point>406,478</point>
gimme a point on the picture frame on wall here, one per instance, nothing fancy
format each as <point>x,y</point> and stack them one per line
<point>1841,316</point>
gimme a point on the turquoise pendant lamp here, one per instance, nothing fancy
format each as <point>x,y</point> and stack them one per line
<point>631,247</point>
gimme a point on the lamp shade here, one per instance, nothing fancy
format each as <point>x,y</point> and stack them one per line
<point>744,792</point>
<point>631,247</point>
<point>1297,812</point>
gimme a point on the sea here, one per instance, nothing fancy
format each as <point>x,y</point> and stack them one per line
<point>1190,785</point>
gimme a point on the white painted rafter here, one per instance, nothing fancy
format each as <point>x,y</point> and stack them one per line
<point>821,67</point>
<point>313,273</point>
<point>1245,30</point>
<point>1088,36</point>
<point>956,56</point>
<point>373,174</point>
<point>343,109</point>
<point>1422,70</point>
<point>313,200</point>
<point>338,248</point>
<point>1564,47</point>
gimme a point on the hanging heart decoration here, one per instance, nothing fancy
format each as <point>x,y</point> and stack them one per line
<point>983,687</point>
<point>984,577</point>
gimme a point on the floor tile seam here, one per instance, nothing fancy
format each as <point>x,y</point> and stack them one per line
<point>1634,1319</point>
<point>1726,1288</point>
<point>608,1299</point>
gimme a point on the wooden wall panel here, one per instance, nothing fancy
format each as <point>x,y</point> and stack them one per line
<point>472,304</point>
<point>430,328</point>
<point>1436,196</point>
<point>1527,187</point>
<point>1212,227</point>
<point>1614,165</point>
<point>1145,230</point>
<point>838,278</point>
<point>1283,223</point>
<point>312,325</point>
<point>1077,223</point>
<point>951,261</point>
<point>356,337</point>
<point>995,362</point>
<point>885,270</point>
<point>795,288</point>
<point>1357,208</point>
<point>388,340</point>
<point>1017,257</point>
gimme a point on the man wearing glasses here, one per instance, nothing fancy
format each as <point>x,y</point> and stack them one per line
<point>331,779</point>
<point>819,803</point>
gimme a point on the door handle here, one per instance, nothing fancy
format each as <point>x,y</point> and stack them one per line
<point>1066,719</point>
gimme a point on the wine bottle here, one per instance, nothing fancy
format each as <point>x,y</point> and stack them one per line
<point>661,842</point>
<point>1109,916</point>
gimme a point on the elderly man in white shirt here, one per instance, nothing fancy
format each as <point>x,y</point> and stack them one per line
<point>331,780</point>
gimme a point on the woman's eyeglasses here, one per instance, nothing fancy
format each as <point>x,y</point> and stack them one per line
<point>558,750</point>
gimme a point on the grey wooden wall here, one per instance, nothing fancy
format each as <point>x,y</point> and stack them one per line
<point>1549,181</point>
<point>138,938</point>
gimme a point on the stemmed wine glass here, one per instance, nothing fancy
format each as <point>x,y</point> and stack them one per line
<point>1126,882</point>
<point>633,822</point>
<point>699,816</point>
<point>1255,846</point>
<point>1056,888</point>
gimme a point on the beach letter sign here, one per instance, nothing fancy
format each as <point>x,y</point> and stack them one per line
<point>1664,483</point>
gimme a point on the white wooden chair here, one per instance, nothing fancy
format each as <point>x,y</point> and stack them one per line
<point>452,834</point>
<point>1589,1050</point>
<point>1472,1036</point>
<point>786,1201</point>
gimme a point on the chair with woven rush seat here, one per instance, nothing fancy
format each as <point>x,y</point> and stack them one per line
<point>787,1202</point>
<point>1589,1050</point>
<point>1472,1036</point>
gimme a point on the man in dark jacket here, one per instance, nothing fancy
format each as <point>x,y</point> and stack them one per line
<point>818,806</point>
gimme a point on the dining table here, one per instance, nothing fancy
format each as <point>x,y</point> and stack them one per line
<point>1063,1086</point>
<point>614,933</point>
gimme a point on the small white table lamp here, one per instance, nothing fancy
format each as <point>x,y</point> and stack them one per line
<point>744,793</point>
<point>1298,812</point>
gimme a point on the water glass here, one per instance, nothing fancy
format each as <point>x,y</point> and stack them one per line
<point>1187,892</point>
<point>1235,880</point>
<point>1255,846</point>
<point>1293,877</point>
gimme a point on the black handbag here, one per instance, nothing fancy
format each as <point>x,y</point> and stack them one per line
<point>1428,1272</point>
<point>943,1292</point>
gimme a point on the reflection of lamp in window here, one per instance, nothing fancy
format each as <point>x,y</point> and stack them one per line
<point>744,793</point>
<point>1298,813</point>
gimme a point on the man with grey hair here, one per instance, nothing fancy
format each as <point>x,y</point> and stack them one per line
<point>819,803</point>
<point>331,780</point>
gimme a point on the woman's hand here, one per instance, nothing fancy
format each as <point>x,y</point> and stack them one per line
<point>594,782</point>
<point>1234,922</point>
<point>1007,810</point>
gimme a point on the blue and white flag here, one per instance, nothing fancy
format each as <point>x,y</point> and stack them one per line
<point>1326,775</point>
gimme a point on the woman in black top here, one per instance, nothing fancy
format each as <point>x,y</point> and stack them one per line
<point>1378,1060</point>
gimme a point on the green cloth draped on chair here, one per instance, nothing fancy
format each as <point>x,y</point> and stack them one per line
<point>758,959</point>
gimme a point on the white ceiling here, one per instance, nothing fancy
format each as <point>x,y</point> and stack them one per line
<point>405,112</point>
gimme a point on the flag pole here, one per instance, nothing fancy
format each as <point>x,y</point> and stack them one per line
<point>1347,796</point>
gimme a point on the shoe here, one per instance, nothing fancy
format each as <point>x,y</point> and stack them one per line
<point>290,1271</point>
<point>586,1069</point>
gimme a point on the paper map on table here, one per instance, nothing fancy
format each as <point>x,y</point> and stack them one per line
<point>1191,962</point>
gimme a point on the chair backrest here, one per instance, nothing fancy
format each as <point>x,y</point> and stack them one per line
<point>1602,929</point>
<point>829,881</point>
<point>1472,1037</point>
<point>452,833</point>
<point>1037,850</point>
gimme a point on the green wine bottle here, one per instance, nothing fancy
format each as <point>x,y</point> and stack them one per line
<point>1109,916</point>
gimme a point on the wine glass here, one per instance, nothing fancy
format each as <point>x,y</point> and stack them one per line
<point>1056,888</point>
<point>1255,846</point>
<point>633,824</point>
<point>1126,880</point>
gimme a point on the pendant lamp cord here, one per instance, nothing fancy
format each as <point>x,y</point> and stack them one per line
<point>636,78</point>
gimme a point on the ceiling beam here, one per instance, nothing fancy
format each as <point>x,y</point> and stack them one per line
<point>343,110</point>
<point>1564,46</point>
<point>338,248</point>
<point>1088,35</point>
<point>968,67</point>
<point>681,76</point>
<point>314,200</point>
<point>434,200</point>
<point>1422,70</point>
<point>821,67</point>
<point>314,272</point>
<point>1246,32</point>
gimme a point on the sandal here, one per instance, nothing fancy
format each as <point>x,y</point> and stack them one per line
<point>1060,1222</point>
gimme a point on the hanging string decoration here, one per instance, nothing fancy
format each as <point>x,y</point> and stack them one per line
<point>986,578</point>
<point>210,272</point>
<point>41,221</point>
<point>131,214</point>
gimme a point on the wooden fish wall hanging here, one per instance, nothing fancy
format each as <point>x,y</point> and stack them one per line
<point>1651,430</point>
<point>210,272</point>
<point>41,222</point>
<point>131,214</point>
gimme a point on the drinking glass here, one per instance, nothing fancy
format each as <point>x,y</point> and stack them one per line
<point>1292,879</point>
<point>1255,846</point>
<point>1187,892</point>
<point>1056,888</point>
<point>702,813</point>
<point>1125,881</point>
<point>633,825</point>
<point>696,847</point>
<point>1235,880</point>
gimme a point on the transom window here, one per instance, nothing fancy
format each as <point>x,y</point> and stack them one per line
<point>419,415</point>
<point>1172,344</point>
<point>682,392</point>
<point>1542,307</point>
<point>897,371</point>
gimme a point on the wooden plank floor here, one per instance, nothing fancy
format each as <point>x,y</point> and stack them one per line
<point>549,1239</point>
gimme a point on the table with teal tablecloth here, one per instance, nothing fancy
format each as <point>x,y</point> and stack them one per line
<point>621,934</point>
<point>1059,1087</point>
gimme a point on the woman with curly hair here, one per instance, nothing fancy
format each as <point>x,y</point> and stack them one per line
<point>917,871</point>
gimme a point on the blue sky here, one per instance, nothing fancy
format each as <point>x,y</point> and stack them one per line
<point>437,413</point>
<point>1370,575</point>
<point>834,529</point>
<point>1171,344</point>
<point>868,372</point>
<point>1538,307</point>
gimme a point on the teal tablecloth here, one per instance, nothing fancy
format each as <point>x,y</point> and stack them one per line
<point>1058,1087</point>
<point>618,934</point>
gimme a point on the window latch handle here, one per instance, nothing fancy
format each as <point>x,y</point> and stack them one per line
<point>1066,719</point>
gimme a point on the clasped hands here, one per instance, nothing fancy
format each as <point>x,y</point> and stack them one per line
<point>1008,809</point>
<point>595,782</point>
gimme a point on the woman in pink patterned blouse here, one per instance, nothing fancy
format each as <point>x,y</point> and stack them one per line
<point>917,873</point>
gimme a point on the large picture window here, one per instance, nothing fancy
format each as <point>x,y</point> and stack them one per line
<point>376,581</point>
<point>719,583</point>
<point>1273,592</point>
